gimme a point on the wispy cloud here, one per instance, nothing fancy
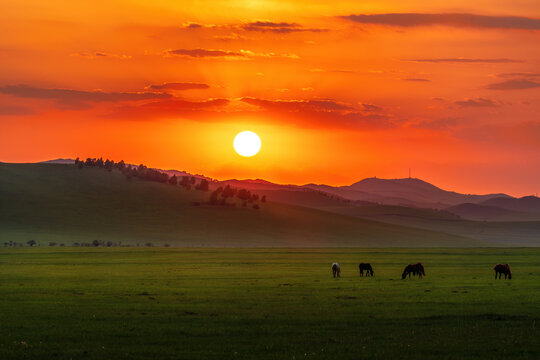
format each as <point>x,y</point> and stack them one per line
<point>324,113</point>
<point>478,102</point>
<point>416,80</point>
<point>178,86</point>
<point>225,54</point>
<point>514,84</point>
<point>465,60</point>
<point>100,55</point>
<point>277,27</point>
<point>447,19</point>
<point>77,99</point>
<point>295,105</point>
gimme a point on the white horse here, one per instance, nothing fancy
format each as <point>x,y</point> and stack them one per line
<point>336,270</point>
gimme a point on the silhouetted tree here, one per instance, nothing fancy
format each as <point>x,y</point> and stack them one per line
<point>263,199</point>
<point>173,180</point>
<point>203,185</point>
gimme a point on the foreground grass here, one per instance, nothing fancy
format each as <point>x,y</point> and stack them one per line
<point>266,304</point>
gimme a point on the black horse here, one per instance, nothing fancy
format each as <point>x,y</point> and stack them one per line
<point>414,269</point>
<point>502,269</point>
<point>365,267</point>
<point>336,270</point>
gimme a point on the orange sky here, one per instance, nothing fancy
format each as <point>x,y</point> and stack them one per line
<point>338,91</point>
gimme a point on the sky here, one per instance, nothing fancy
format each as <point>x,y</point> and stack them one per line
<point>337,91</point>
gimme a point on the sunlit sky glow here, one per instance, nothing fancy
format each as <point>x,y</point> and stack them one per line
<point>339,90</point>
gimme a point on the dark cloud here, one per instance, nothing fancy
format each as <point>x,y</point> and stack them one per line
<point>371,107</point>
<point>77,99</point>
<point>226,54</point>
<point>297,105</point>
<point>466,60</point>
<point>478,102</point>
<point>77,96</point>
<point>179,86</point>
<point>260,26</point>
<point>203,53</point>
<point>321,114</point>
<point>277,27</point>
<point>514,84</point>
<point>447,19</point>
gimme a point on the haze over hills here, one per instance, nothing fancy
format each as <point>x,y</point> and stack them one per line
<point>63,204</point>
<point>400,201</point>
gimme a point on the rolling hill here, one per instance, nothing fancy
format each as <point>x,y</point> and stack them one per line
<point>525,204</point>
<point>63,204</point>
<point>491,213</point>
<point>408,192</point>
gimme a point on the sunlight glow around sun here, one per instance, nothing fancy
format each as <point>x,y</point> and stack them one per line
<point>247,143</point>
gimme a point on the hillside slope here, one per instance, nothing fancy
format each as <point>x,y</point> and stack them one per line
<point>54,202</point>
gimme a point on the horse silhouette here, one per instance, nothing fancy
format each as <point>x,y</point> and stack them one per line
<point>414,269</point>
<point>336,270</point>
<point>365,267</point>
<point>502,269</point>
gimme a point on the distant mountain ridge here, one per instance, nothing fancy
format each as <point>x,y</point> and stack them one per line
<point>408,192</point>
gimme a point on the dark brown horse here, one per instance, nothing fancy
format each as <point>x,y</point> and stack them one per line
<point>365,267</point>
<point>414,269</point>
<point>336,270</point>
<point>502,269</point>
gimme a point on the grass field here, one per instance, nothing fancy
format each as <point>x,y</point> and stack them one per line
<point>178,303</point>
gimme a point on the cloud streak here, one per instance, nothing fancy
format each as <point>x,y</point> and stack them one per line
<point>179,86</point>
<point>277,27</point>
<point>514,84</point>
<point>478,102</point>
<point>225,54</point>
<point>77,99</point>
<point>465,60</point>
<point>323,113</point>
<point>447,19</point>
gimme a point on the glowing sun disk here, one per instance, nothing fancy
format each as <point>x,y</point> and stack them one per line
<point>247,143</point>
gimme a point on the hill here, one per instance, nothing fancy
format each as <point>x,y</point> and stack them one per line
<point>524,204</point>
<point>491,213</point>
<point>408,192</point>
<point>60,203</point>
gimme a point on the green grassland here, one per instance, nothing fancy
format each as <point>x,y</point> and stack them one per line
<point>63,204</point>
<point>189,303</point>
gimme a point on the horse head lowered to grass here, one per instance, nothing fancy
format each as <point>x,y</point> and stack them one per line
<point>414,269</point>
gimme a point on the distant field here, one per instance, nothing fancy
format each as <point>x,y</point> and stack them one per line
<point>178,303</point>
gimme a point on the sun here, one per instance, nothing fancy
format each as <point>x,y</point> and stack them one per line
<point>247,143</point>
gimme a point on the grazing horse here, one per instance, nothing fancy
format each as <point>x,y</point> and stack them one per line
<point>502,269</point>
<point>336,270</point>
<point>414,269</point>
<point>367,267</point>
